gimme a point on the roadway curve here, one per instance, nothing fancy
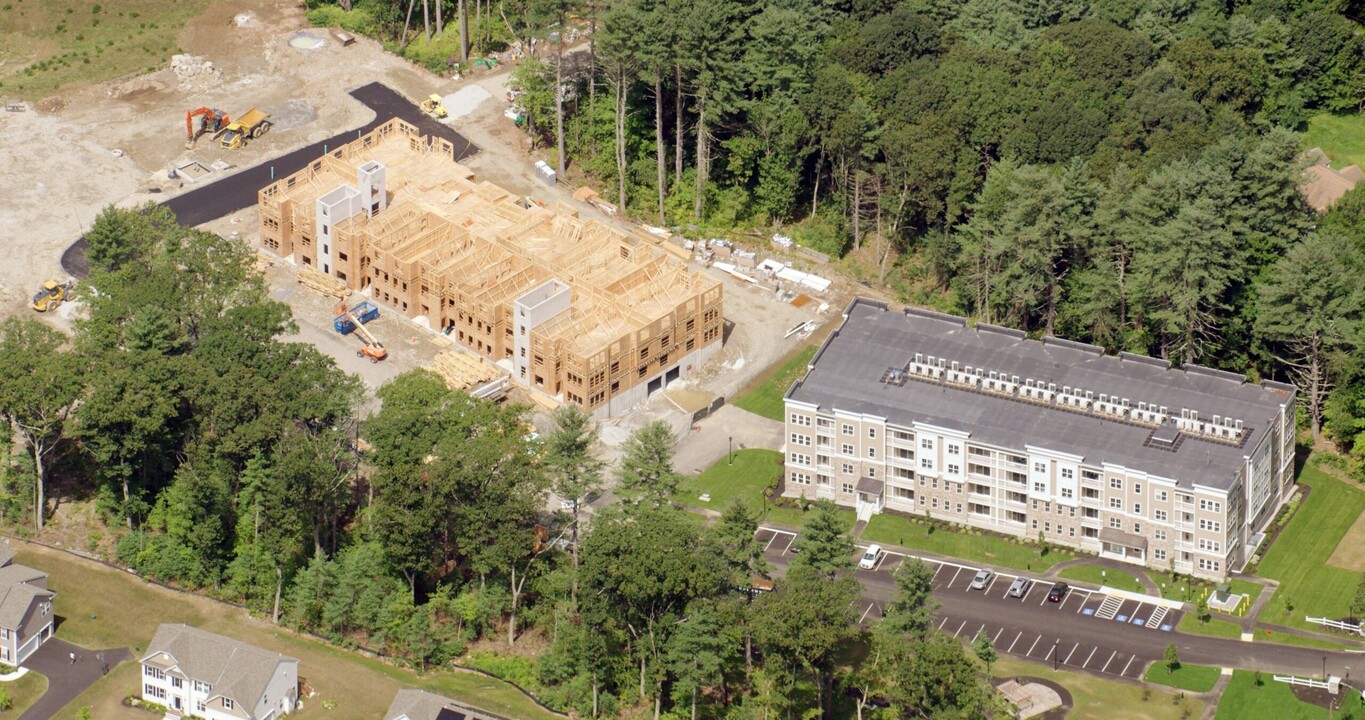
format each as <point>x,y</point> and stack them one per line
<point>239,190</point>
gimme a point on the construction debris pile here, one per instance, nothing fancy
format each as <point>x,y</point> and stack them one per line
<point>322,283</point>
<point>470,373</point>
<point>194,72</point>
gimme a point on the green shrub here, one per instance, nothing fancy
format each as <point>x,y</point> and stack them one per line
<point>6,702</point>
<point>514,669</point>
<point>359,20</point>
<point>435,54</point>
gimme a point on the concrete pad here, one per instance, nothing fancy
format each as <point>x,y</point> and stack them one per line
<point>465,100</point>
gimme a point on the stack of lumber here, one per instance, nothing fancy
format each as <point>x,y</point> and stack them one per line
<point>322,283</point>
<point>263,262</point>
<point>463,371</point>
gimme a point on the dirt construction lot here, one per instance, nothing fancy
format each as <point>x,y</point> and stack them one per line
<point>70,155</point>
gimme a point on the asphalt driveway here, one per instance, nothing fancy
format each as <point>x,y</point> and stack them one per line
<point>65,679</point>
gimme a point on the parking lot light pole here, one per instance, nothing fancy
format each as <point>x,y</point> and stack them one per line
<point>1054,654</point>
<point>731,454</point>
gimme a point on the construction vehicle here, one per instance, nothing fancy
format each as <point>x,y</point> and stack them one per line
<point>52,295</point>
<point>251,126</point>
<point>213,121</point>
<point>353,320</point>
<point>434,107</point>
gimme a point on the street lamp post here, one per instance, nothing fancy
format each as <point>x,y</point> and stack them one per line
<point>731,454</point>
<point>1054,655</point>
<point>1324,667</point>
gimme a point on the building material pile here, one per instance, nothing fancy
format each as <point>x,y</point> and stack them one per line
<point>194,72</point>
<point>321,284</point>
<point>470,373</point>
<point>590,196</point>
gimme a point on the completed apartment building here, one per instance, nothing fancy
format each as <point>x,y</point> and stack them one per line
<point>916,412</point>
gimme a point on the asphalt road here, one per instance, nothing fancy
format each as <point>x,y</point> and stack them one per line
<point>1071,633</point>
<point>239,190</point>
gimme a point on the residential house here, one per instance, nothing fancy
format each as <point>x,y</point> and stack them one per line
<point>195,673</point>
<point>26,618</point>
<point>1123,455</point>
<point>413,704</point>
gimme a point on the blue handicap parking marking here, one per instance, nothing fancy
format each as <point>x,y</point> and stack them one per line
<point>1088,611</point>
<point>1122,618</point>
<point>1139,620</point>
<point>1166,628</point>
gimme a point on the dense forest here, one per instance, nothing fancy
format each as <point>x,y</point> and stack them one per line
<point>1119,172</point>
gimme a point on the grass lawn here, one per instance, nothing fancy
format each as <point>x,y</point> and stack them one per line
<point>101,608</point>
<point>24,692</point>
<point>987,549</point>
<point>752,471</point>
<point>1095,698</point>
<point>1298,558</point>
<point>1263,635</point>
<point>1195,678</point>
<point>1215,627</point>
<point>1275,700</point>
<point>45,44</point>
<point>1342,137</point>
<point>1096,575</point>
<point>764,395</point>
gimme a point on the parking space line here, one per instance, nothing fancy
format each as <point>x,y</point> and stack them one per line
<point>865,612</point>
<point>770,542</point>
<point>1091,655</point>
<point>979,630</point>
<point>1016,639</point>
<point>989,586</point>
<point>1034,645</point>
<point>1006,593</point>
<point>1050,650</point>
<point>880,560</point>
<point>1073,652</point>
<point>950,582</point>
<point>1125,667</point>
<point>945,622</point>
<point>789,545</point>
<point>998,633</point>
<point>1106,662</point>
<point>1029,590</point>
<point>1044,600</point>
<point>959,629</point>
<point>938,568</point>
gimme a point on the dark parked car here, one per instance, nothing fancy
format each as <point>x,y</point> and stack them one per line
<point>1058,592</point>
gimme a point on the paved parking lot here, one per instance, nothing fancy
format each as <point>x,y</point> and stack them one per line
<point>1085,631</point>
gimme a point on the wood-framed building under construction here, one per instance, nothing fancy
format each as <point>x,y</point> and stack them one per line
<point>571,307</point>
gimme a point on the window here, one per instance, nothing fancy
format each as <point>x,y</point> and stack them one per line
<point>1161,496</point>
<point>227,704</point>
<point>1209,545</point>
<point>1068,493</point>
<point>823,480</point>
<point>177,682</point>
<point>1158,554</point>
<point>154,691</point>
<point>1116,503</point>
<point>872,472</point>
<point>1211,525</point>
<point>1040,487</point>
<point>1040,467</point>
<point>846,429</point>
<point>904,493</point>
<point>872,453</point>
<point>1159,534</point>
<point>954,469</point>
<point>1071,532</point>
<point>1137,488</point>
<point>4,633</point>
<point>799,459</point>
<point>1047,527</point>
<point>1211,565</point>
<point>1116,483</point>
<point>1068,474</point>
<point>846,487</point>
<point>926,463</point>
<point>202,687</point>
<point>846,468</point>
<point>199,706</point>
<point>802,420</point>
<point>935,483</point>
<point>802,440</point>
<point>954,449</point>
<point>1033,524</point>
<point>872,433</point>
<point>926,443</point>
<point>1137,528</point>
<point>846,448</point>
<point>800,479</point>
<point>935,503</point>
<point>1211,505</point>
<point>1159,515</point>
<point>1137,508</point>
<point>1115,523</point>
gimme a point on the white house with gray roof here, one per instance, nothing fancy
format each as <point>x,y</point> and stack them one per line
<point>26,617</point>
<point>414,704</point>
<point>195,673</point>
<point>920,413</point>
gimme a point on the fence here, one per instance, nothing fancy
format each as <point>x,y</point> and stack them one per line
<point>1332,684</point>
<point>1335,624</point>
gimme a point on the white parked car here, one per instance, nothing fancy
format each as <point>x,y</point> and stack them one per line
<point>874,553</point>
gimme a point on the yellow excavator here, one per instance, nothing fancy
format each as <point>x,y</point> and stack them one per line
<point>52,295</point>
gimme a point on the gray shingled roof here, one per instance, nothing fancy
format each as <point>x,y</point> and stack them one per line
<point>415,704</point>
<point>848,372</point>
<point>15,600</point>
<point>235,669</point>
